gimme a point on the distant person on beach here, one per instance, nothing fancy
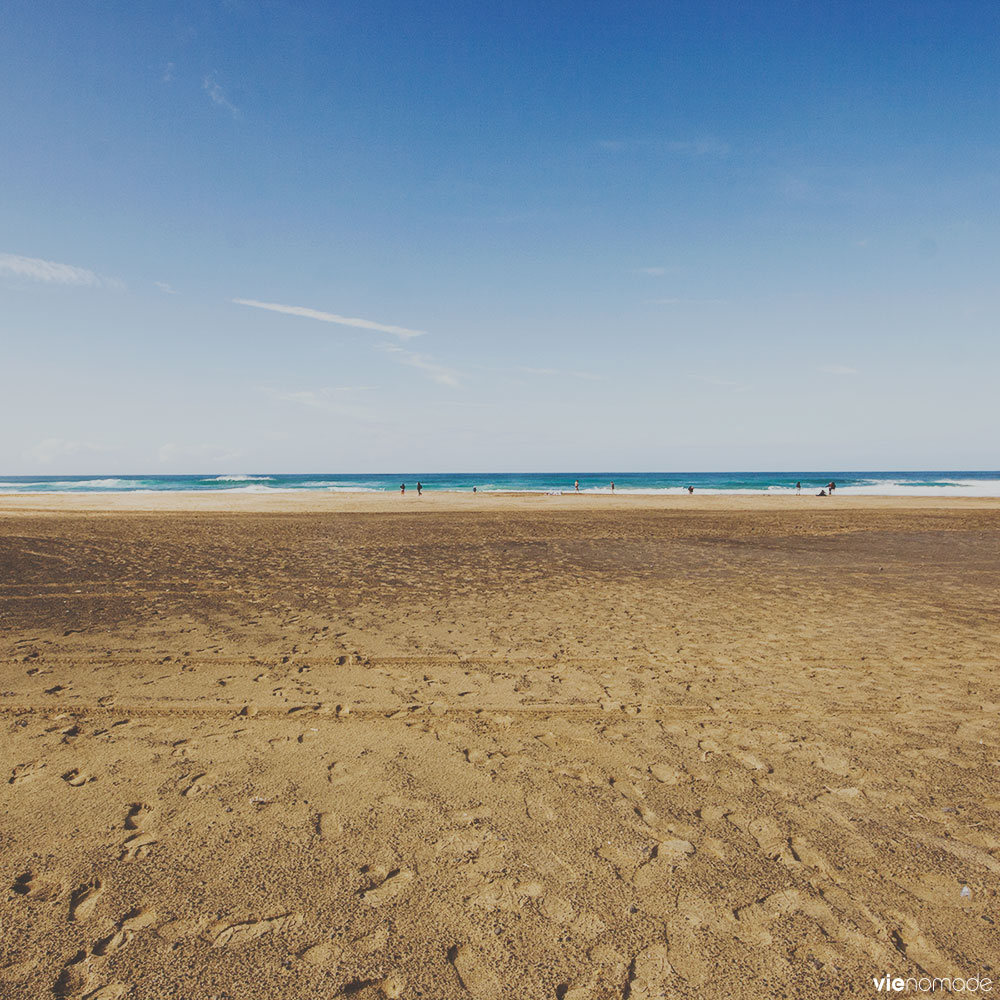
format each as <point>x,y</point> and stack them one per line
<point>798,487</point>
<point>576,486</point>
<point>474,490</point>
<point>402,487</point>
<point>612,486</point>
<point>420,488</point>
<point>690,489</point>
<point>831,486</point>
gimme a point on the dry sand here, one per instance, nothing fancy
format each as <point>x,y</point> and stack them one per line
<point>488,747</point>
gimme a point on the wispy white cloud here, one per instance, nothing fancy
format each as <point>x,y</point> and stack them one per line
<point>164,287</point>
<point>838,370</point>
<point>435,372</point>
<point>218,95</point>
<point>325,317</point>
<point>52,272</point>
<point>52,448</point>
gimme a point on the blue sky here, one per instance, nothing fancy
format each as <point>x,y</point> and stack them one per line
<point>348,237</point>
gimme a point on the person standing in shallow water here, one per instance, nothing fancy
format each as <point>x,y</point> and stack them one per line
<point>420,489</point>
<point>402,487</point>
<point>612,486</point>
<point>576,486</point>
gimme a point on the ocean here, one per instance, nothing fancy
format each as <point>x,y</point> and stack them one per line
<point>934,483</point>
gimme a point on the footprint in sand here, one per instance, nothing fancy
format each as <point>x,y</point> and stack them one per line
<point>199,784</point>
<point>567,992</point>
<point>649,974</point>
<point>556,908</point>
<point>910,942</point>
<point>38,887</point>
<point>391,988</point>
<point>806,854</point>
<point>23,772</point>
<point>685,954</point>
<point>475,815</point>
<point>395,882</point>
<point>583,774</point>
<point>369,944</point>
<point>768,835</point>
<point>461,843</point>
<point>77,778</point>
<point>137,846</point>
<point>184,748</point>
<point>474,975</point>
<point>224,934</point>
<point>328,825</point>
<point>668,775</point>
<point>625,860</point>
<point>753,923</point>
<point>772,841</point>
<point>83,900</point>
<point>73,976</point>
<point>124,931</point>
<point>712,815</point>
<point>675,851</point>
<point>752,761</point>
<point>136,817</point>
<point>667,856</point>
<point>112,991</point>
<point>339,773</point>
<point>325,953</point>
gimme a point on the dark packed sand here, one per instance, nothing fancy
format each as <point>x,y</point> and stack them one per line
<point>496,747</point>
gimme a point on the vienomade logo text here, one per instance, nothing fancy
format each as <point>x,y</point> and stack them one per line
<point>926,984</point>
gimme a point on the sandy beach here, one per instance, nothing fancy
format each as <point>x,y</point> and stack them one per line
<point>579,747</point>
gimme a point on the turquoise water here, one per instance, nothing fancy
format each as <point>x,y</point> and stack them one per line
<point>938,483</point>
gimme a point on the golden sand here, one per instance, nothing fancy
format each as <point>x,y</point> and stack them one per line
<point>303,746</point>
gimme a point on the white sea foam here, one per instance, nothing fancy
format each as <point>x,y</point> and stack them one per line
<point>241,479</point>
<point>968,488</point>
<point>926,484</point>
<point>890,488</point>
<point>255,488</point>
<point>98,484</point>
